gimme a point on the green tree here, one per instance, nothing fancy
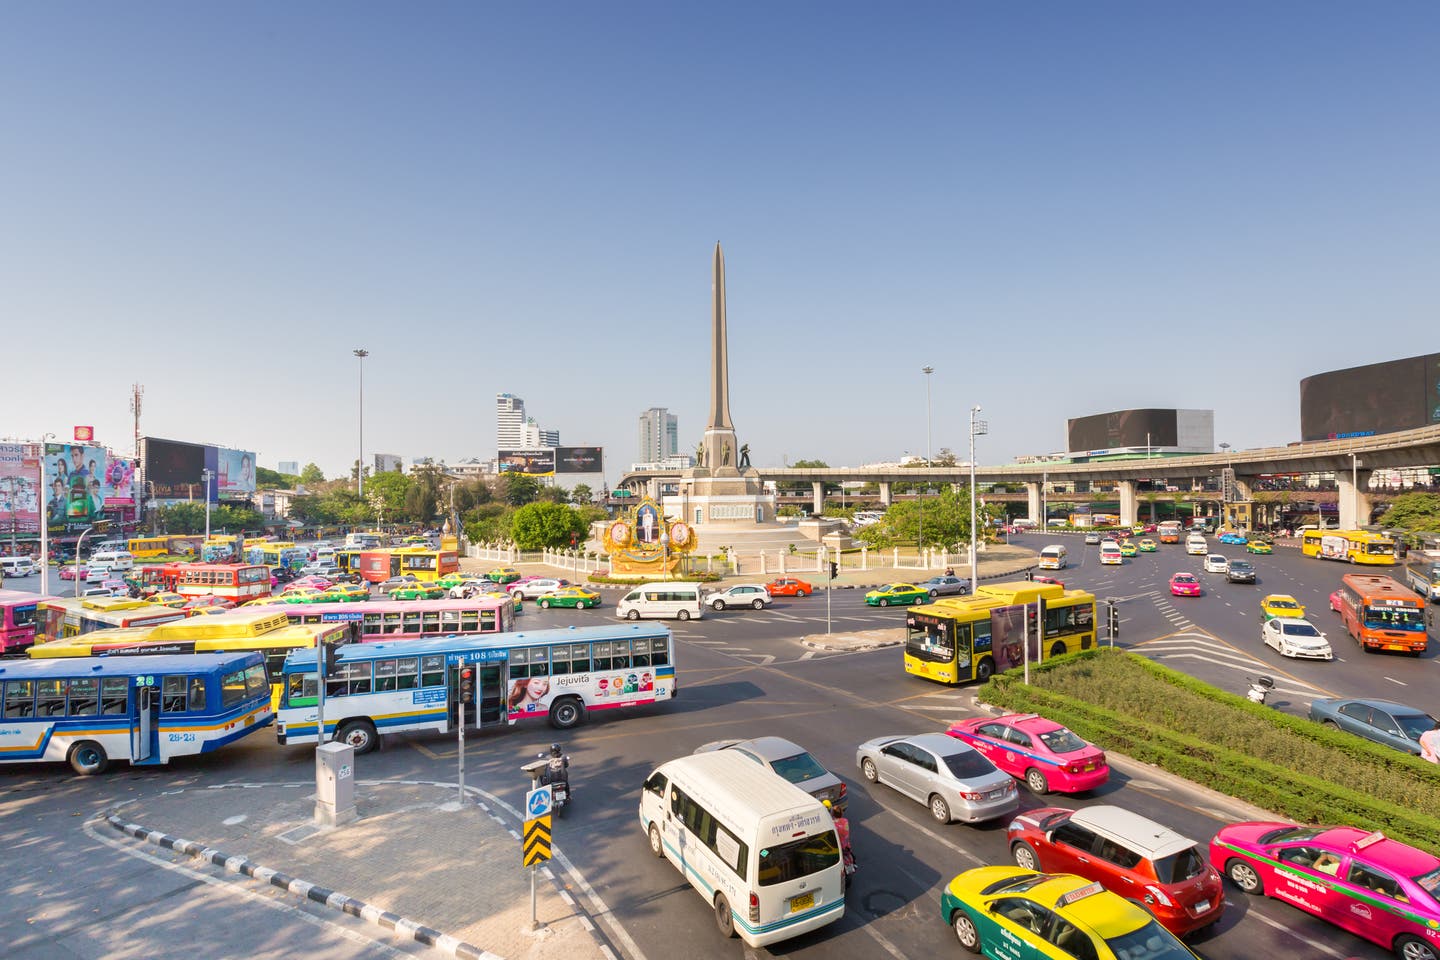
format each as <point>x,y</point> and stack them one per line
<point>488,523</point>
<point>274,479</point>
<point>311,475</point>
<point>944,517</point>
<point>470,494</point>
<point>518,489</point>
<point>1414,512</point>
<point>391,490</point>
<point>540,525</point>
<point>581,494</point>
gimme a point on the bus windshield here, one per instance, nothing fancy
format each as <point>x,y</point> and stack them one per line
<point>1380,546</point>
<point>1394,618</point>
<point>930,641</point>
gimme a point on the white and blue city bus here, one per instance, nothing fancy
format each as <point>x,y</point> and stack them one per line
<point>410,685</point>
<point>88,711</point>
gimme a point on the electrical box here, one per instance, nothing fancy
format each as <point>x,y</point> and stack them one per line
<point>334,784</point>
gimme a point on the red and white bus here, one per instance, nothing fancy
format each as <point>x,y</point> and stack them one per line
<point>406,619</point>
<point>1381,613</point>
<point>379,565</point>
<point>233,581</point>
<point>63,617</point>
<point>19,615</point>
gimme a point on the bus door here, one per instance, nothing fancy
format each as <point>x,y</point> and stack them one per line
<point>144,724</point>
<point>491,693</point>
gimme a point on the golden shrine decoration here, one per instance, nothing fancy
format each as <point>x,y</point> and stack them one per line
<point>644,541</point>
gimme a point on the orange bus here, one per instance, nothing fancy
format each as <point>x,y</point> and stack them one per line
<point>379,565</point>
<point>234,581</point>
<point>1381,613</point>
<point>1169,531</point>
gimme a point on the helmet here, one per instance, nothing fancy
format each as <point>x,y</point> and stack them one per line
<point>555,749</point>
<point>827,804</point>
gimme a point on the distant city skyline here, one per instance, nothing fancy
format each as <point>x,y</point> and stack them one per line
<point>1191,207</point>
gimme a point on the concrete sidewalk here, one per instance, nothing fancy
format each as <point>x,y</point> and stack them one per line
<point>416,859</point>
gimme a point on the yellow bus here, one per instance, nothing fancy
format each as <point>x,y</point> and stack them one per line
<point>63,617</point>
<point>1355,546</point>
<point>272,635</point>
<point>145,548</point>
<point>219,548</point>
<point>959,639</point>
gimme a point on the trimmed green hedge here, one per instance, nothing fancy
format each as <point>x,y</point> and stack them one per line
<point>1291,765</point>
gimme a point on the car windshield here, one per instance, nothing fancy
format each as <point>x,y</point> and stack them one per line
<point>1415,724</point>
<point>1184,578</point>
<point>1430,882</point>
<point>1395,618</point>
<point>1017,884</point>
<point>1180,867</point>
<point>1300,630</point>
<point>1150,942</point>
<point>1240,566</point>
<point>1291,834</point>
<point>1062,741</point>
<point>968,764</point>
<point>799,768</point>
<point>1284,604</point>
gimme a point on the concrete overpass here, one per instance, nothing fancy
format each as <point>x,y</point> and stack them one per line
<point>1408,448</point>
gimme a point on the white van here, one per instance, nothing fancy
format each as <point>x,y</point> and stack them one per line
<point>1110,552</point>
<point>116,561</point>
<point>760,850</point>
<point>18,567</point>
<point>678,600</point>
<point>1197,545</point>
<point>1054,557</point>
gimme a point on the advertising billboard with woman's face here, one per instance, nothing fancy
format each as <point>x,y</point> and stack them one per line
<point>75,478</point>
<point>19,487</point>
<point>235,472</point>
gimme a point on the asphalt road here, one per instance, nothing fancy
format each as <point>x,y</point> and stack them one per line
<point>742,673</point>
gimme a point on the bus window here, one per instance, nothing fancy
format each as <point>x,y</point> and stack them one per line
<point>19,699</point>
<point>303,690</point>
<point>114,696</point>
<point>406,677</point>
<point>50,698</point>
<point>432,671</point>
<point>85,697</point>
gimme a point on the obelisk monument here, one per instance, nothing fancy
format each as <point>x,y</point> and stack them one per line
<point>722,488</point>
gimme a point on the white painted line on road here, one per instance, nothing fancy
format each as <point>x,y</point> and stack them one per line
<point>1290,931</point>
<point>807,655</point>
<point>704,641</point>
<point>1401,682</point>
<point>890,948</point>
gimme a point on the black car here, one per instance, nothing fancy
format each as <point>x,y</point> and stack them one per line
<point>1240,571</point>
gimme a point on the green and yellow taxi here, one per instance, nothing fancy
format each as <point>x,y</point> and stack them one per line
<point>1258,546</point>
<point>344,593</point>
<point>1004,912</point>
<point>452,580</point>
<point>577,597</point>
<point>504,575</point>
<point>896,593</point>
<point>1128,548</point>
<point>419,591</point>
<point>502,595</point>
<point>1146,546</point>
<point>1282,605</point>
<point>301,595</point>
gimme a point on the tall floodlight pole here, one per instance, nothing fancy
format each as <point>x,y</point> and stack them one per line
<point>977,428</point>
<point>204,475</point>
<point>360,461</point>
<point>920,546</point>
<point>45,524</point>
<point>1224,487</point>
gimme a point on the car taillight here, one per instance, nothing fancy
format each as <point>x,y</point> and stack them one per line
<point>754,908</point>
<point>841,794</point>
<point>967,795</point>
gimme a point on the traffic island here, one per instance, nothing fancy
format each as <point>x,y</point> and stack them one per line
<point>855,640</point>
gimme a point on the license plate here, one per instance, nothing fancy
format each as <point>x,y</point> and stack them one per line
<point>1396,646</point>
<point>803,902</point>
<point>1089,767</point>
<point>1202,906</point>
<point>995,794</point>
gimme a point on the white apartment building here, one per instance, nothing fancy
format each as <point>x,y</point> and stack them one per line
<point>659,435</point>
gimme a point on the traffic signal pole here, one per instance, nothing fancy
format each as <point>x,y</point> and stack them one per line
<point>467,696</point>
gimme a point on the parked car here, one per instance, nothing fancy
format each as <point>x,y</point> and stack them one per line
<point>1041,752</point>
<point>953,779</point>
<point>1125,853</point>
<point>533,588</point>
<point>1240,571</point>
<point>394,583</point>
<point>790,761</point>
<point>1377,888</point>
<point>503,575</point>
<point>328,570</point>
<point>1295,638</point>
<point>345,593</point>
<point>896,593</point>
<point>740,595</point>
<point>788,587</point>
<point>419,591</point>
<point>1384,721</point>
<point>945,586</point>
<point>1217,563</point>
<point>1184,585</point>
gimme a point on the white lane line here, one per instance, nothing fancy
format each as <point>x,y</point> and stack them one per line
<point>1290,931</point>
<point>1401,682</point>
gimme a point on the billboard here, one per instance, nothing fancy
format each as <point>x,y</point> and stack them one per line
<point>234,473</point>
<point>173,467</point>
<point>81,482</point>
<point>534,463</point>
<point>579,460</point>
<point>1123,428</point>
<point>20,487</point>
<point>1376,398</point>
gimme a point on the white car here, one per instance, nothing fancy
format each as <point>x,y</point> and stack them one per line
<point>740,595</point>
<point>1196,545</point>
<point>320,570</point>
<point>1293,637</point>
<point>1217,563</point>
<point>531,589</point>
<point>464,588</point>
<point>1092,537</point>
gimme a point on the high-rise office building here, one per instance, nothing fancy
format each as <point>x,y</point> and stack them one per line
<point>659,435</point>
<point>509,422</point>
<point>533,436</point>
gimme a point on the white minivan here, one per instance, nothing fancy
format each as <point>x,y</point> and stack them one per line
<point>1054,557</point>
<point>117,561</point>
<point>761,851</point>
<point>680,601</point>
<point>18,566</point>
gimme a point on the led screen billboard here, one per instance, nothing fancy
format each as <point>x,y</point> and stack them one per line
<point>1124,428</point>
<point>174,468</point>
<point>1376,398</point>
<point>579,460</point>
<point>534,463</point>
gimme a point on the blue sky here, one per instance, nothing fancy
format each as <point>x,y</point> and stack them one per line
<point>1064,208</point>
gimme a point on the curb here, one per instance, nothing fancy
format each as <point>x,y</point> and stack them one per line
<point>308,890</point>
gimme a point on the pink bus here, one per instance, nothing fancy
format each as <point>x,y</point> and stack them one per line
<point>405,619</point>
<point>18,617</point>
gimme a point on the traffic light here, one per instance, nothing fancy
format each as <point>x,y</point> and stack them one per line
<point>467,685</point>
<point>331,651</point>
<point>1114,621</point>
<point>1029,574</point>
<point>834,569</point>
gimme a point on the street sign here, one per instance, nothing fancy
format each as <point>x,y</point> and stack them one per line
<point>539,802</point>
<point>535,847</point>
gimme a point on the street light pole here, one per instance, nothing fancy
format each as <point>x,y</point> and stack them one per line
<point>360,461</point>
<point>44,524</point>
<point>205,475</point>
<point>976,427</point>
<point>78,545</point>
<point>920,546</point>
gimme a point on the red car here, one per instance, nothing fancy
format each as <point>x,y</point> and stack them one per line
<point>789,587</point>
<point>1041,752</point>
<point>1042,579</point>
<point>1184,585</point>
<point>1127,854</point>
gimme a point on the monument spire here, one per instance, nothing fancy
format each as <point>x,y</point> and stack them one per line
<point>719,351</point>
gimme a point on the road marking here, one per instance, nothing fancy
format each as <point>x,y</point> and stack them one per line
<point>1401,682</point>
<point>808,654</point>
<point>1286,929</point>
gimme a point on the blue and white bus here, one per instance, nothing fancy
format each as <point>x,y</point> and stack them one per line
<point>409,685</point>
<point>87,711</point>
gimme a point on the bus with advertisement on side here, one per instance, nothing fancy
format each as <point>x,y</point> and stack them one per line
<point>380,620</point>
<point>233,581</point>
<point>219,548</point>
<point>19,621</point>
<point>271,635</point>
<point>1353,546</point>
<point>433,685</point>
<point>276,554</point>
<point>64,617</point>
<point>1422,573</point>
<point>377,566</point>
<point>959,639</point>
<point>88,711</point>
<point>1170,531</point>
<point>1381,613</point>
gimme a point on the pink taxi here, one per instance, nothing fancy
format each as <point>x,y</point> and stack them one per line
<point>1041,752</point>
<point>1184,585</point>
<point>1379,889</point>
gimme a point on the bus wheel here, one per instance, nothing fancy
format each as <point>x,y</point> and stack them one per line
<point>565,713</point>
<point>1058,650</point>
<point>358,734</point>
<point>984,669</point>
<point>88,758</point>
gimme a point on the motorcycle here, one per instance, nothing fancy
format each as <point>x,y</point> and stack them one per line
<point>556,775</point>
<point>1260,688</point>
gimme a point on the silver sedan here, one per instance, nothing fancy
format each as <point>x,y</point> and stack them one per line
<point>945,586</point>
<point>951,778</point>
